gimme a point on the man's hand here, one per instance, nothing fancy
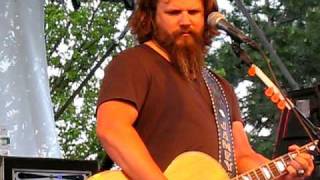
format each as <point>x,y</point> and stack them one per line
<point>301,167</point>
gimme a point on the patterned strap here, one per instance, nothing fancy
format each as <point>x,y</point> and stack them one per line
<point>223,121</point>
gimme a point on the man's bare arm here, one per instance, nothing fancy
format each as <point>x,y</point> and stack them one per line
<point>246,157</point>
<point>122,142</point>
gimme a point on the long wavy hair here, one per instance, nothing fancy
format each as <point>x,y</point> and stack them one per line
<point>142,22</point>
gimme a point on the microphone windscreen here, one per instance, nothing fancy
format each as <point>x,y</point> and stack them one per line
<point>214,18</point>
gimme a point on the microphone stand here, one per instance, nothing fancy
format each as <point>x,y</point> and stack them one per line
<point>277,95</point>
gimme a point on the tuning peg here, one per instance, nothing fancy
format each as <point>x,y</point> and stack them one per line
<point>275,98</point>
<point>252,71</point>
<point>269,92</point>
<point>281,105</point>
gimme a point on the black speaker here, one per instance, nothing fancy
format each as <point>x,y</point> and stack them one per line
<point>21,168</point>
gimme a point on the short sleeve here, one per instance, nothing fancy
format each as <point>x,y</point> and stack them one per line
<point>125,79</point>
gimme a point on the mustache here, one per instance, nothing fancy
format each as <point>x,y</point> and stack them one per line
<point>181,32</point>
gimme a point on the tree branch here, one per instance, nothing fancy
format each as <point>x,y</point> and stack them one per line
<point>58,42</point>
<point>261,35</point>
<point>57,82</point>
<point>90,75</point>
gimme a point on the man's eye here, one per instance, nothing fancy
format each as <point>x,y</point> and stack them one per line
<point>192,12</point>
<point>173,12</point>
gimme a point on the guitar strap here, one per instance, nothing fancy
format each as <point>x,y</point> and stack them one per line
<point>222,116</point>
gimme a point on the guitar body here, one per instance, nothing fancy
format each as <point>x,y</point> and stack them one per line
<point>187,166</point>
<point>200,166</point>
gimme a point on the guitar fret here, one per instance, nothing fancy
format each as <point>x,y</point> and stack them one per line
<point>254,175</point>
<point>284,162</point>
<point>260,174</point>
<point>290,157</point>
<point>308,147</point>
<point>280,165</point>
<point>274,169</point>
<point>286,159</point>
<point>245,177</point>
<point>266,172</point>
<point>248,177</point>
<point>311,147</point>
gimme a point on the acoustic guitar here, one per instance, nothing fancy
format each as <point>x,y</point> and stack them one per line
<point>195,165</point>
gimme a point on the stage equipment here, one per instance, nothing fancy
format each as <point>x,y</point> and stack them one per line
<point>19,168</point>
<point>217,20</point>
<point>290,130</point>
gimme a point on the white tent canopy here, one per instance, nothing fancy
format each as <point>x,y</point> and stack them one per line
<point>26,115</point>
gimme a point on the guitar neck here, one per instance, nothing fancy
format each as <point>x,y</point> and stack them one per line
<point>276,167</point>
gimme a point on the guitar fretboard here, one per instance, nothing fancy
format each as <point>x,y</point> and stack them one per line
<point>276,167</point>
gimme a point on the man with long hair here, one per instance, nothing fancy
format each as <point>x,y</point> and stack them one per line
<point>154,103</point>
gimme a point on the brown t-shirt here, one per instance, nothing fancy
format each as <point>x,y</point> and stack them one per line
<point>175,115</point>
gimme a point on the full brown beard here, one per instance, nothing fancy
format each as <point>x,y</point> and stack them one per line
<point>185,53</point>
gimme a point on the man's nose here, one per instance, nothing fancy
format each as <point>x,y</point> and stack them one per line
<point>185,19</point>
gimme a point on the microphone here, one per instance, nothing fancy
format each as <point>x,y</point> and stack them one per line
<point>217,20</point>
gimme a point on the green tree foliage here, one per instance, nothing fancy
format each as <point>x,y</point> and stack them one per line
<point>292,28</point>
<point>76,41</point>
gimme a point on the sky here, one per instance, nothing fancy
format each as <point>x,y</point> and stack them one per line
<point>225,5</point>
